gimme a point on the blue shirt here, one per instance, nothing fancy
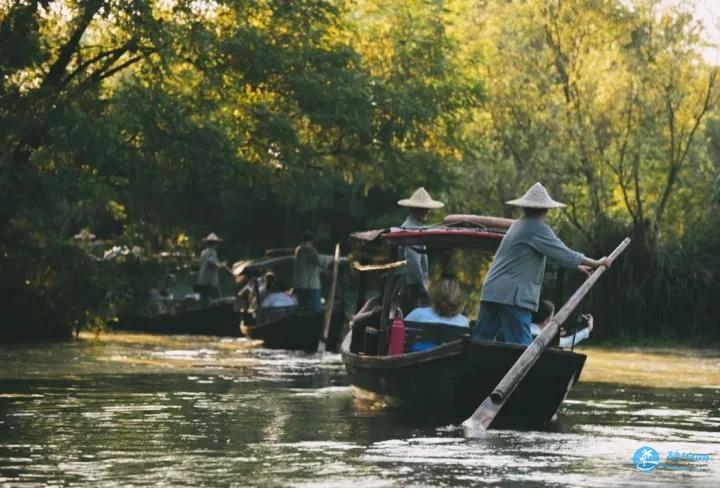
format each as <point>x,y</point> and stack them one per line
<point>516,273</point>
<point>416,269</point>
<point>428,315</point>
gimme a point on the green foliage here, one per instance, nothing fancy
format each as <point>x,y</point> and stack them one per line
<point>147,120</point>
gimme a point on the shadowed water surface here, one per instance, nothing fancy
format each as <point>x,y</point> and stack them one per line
<point>132,410</point>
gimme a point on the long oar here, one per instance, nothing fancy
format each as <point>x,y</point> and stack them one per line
<point>486,412</point>
<point>330,301</point>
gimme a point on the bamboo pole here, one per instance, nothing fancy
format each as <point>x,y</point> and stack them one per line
<point>330,301</point>
<point>486,412</point>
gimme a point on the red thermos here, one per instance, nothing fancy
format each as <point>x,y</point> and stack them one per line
<point>397,337</point>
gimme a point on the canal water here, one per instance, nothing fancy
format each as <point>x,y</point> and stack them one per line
<point>140,410</point>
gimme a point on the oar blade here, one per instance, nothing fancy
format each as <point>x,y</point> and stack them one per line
<point>481,419</point>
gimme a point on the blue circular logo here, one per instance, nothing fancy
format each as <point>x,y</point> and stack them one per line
<point>646,459</point>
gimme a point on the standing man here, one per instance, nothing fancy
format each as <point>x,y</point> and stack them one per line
<point>306,277</point>
<point>511,292</point>
<point>208,283</point>
<point>416,272</point>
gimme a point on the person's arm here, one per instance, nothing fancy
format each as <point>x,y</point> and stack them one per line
<point>596,263</point>
<point>549,245</point>
<point>567,341</point>
<point>425,270</point>
<point>370,310</point>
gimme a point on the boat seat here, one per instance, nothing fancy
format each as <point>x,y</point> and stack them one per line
<point>423,335</point>
<point>271,313</point>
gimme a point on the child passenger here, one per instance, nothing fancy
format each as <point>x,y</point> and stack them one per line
<point>545,312</point>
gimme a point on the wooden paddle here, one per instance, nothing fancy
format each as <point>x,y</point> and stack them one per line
<point>486,412</point>
<point>330,301</point>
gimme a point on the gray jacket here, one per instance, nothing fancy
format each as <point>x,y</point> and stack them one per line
<point>307,267</point>
<point>516,273</point>
<point>416,270</point>
<point>209,264</point>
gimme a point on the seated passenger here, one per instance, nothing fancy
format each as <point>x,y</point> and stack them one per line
<point>265,285</point>
<point>446,304</point>
<point>545,312</point>
<point>278,296</point>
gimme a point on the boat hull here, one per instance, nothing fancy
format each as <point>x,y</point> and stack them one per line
<point>299,330</point>
<point>216,320</point>
<point>454,378</point>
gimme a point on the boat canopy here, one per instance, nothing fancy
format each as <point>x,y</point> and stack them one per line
<point>457,231</point>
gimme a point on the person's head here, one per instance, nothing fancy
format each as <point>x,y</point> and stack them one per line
<point>420,214</point>
<point>276,286</point>
<point>212,240</point>
<point>446,297</point>
<point>269,277</point>
<point>420,204</point>
<point>307,236</point>
<point>545,311</point>
<point>535,213</point>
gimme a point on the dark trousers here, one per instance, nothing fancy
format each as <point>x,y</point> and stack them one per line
<point>206,293</point>
<point>308,298</point>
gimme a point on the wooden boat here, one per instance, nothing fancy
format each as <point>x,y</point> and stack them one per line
<point>293,328</point>
<point>454,375</point>
<point>297,329</point>
<point>220,318</point>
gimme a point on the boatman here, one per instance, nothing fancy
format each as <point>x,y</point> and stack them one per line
<point>511,291</point>
<point>208,283</point>
<point>306,274</point>
<point>416,271</point>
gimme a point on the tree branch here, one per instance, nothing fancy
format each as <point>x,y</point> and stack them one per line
<point>679,157</point>
<point>116,53</point>
<point>55,74</point>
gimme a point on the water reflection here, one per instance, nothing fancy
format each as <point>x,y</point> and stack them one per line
<point>140,410</point>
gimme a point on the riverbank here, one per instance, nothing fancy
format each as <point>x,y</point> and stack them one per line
<point>657,367</point>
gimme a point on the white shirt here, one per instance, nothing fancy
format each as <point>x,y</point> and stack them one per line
<point>278,299</point>
<point>567,341</point>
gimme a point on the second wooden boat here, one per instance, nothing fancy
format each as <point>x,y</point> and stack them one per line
<point>221,318</point>
<point>296,329</point>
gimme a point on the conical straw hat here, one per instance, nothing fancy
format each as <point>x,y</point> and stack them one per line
<point>536,197</point>
<point>84,235</point>
<point>212,237</point>
<point>420,199</point>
